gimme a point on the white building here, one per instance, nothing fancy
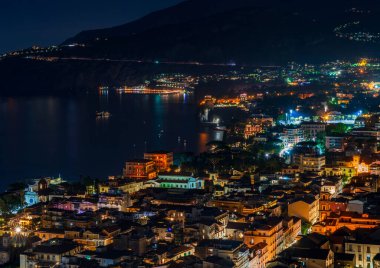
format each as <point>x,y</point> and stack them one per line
<point>31,197</point>
<point>364,247</point>
<point>292,136</point>
<point>184,181</point>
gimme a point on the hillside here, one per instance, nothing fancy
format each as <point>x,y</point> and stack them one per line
<point>253,32</point>
<point>249,31</point>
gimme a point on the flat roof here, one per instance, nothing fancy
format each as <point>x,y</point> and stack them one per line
<point>138,161</point>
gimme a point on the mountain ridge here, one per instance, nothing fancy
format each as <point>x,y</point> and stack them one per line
<point>285,30</point>
<point>245,32</point>
<point>179,13</point>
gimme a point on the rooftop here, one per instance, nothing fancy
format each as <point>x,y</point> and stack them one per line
<point>56,246</point>
<point>143,161</point>
<point>220,244</point>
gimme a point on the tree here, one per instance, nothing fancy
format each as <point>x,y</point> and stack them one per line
<point>272,164</point>
<point>305,227</point>
<point>339,128</point>
<point>17,186</point>
<point>214,160</point>
<point>3,207</point>
<point>10,202</point>
<point>321,140</point>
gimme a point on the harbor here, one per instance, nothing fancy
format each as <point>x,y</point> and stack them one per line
<point>150,91</point>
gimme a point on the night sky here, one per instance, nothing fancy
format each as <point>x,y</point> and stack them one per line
<point>24,23</point>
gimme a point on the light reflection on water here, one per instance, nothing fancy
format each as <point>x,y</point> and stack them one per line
<point>45,136</point>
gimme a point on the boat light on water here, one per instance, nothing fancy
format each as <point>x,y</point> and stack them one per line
<point>103,114</point>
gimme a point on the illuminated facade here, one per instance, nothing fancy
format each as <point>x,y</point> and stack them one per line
<point>359,165</point>
<point>184,181</point>
<point>328,205</point>
<point>345,171</point>
<point>272,234</point>
<point>306,209</point>
<point>309,162</point>
<point>163,160</point>
<point>350,220</point>
<point>251,130</point>
<point>31,197</point>
<point>140,169</point>
<point>125,186</point>
<point>262,120</point>
<point>292,136</point>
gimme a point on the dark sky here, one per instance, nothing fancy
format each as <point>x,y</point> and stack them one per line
<point>43,22</point>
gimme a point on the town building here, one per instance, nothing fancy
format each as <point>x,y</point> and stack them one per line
<point>31,197</point>
<point>348,219</point>
<point>228,250</point>
<point>364,245</point>
<point>306,208</point>
<point>270,231</point>
<point>140,169</point>
<point>366,132</point>
<point>308,158</point>
<point>179,180</point>
<point>163,160</point>
<point>49,253</point>
<point>128,186</point>
<point>311,130</point>
<point>251,130</point>
<point>316,258</point>
<point>335,143</point>
<point>291,136</point>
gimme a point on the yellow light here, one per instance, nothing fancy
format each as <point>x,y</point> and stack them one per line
<point>363,62</point>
